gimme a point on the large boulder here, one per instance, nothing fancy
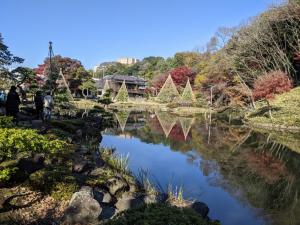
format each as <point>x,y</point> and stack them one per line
<point>82,209</point>
<point>81,166</point>
<point>103,196</point>
<point>117,184</point>
<point>128,201</point>
<point>29,166</point>
<point>107,212</point>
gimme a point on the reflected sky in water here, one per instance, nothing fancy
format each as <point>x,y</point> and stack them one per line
<point>218,164</point>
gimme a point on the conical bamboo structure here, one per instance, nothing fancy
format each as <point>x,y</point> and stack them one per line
<point>168,92</point>
<point>122,95</point>
<point>188,94</point>
<point>106,86</point>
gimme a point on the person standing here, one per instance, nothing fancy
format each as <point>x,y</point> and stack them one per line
<point>12,103</point>
<point>2,102</point>
<point>39,104</point>
<point>48,105</point>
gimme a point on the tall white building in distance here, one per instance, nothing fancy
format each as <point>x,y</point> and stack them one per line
<point>127,60</point>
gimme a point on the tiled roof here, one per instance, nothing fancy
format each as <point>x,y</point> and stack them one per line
<point>120,78</point>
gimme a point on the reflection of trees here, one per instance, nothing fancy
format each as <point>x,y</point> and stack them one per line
<point>264,182</point>
<point>267,175</point>
<point>122,117</point>
<point>257,168</point>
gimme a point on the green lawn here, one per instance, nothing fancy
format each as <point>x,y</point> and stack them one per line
<point>285,110</point>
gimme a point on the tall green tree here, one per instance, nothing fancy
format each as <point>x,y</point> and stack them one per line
<point>88,87</point>
<point>6,59</point>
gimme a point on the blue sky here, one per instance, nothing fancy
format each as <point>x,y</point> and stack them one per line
<point>95,31</point>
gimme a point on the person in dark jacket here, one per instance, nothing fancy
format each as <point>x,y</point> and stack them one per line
<point>39,104</point>
<point>12,103</point>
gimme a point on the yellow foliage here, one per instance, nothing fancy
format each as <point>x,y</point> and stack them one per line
<point>200,78</point>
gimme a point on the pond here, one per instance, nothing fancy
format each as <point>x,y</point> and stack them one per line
<point>244,176</point>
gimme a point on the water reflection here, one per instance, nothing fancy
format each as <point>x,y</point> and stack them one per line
<point>245,176</point>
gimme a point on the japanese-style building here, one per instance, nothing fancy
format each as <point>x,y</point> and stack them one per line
<point>135,85</point>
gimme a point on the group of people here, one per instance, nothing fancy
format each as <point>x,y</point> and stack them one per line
<point>43,104</point>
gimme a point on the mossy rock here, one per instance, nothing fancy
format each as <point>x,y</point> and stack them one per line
<point>64,190</point>
<point>68,125</point>
<point>57,182</point>
<point>55,134</point>
<point>100,179</point>
<point>159,214</point>
<point>9,163</point>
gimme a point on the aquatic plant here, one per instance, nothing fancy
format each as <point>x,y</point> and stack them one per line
<point>175,195</point>
<point>148,187</point>
<point>115,161</point>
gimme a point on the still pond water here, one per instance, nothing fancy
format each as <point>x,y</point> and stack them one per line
<point>245,177</point>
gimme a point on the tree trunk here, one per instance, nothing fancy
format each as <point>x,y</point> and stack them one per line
<point>269,108</point>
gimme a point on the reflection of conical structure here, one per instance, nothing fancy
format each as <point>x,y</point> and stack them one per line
<point>186,124</point>
<point>122,117</point>
<point>166,121</point>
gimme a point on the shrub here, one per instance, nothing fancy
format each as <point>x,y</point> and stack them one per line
<point>6,122</point>
<point>15,141</point>
<point>159,214</point>
<point>106,98</point>
<point>5,174</point>
<point>266,86</point>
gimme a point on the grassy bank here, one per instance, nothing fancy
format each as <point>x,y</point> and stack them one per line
<point>154,106</point>
<point>284,109</point>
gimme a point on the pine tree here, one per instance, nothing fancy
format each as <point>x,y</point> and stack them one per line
<point>168,92</point>
<point>122,95</point>
<point>188,94</point>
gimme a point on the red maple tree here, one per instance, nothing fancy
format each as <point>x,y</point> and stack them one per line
<point>272,83</point>
<point>180,75</point>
